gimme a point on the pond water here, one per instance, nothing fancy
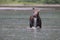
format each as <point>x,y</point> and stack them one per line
<point>14,24</point>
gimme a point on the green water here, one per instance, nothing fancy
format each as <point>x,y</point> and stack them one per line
<point>13,25</point>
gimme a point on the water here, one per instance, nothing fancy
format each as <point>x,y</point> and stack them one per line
<point>13,26</point>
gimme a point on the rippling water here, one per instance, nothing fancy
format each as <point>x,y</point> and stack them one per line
<point>13,26</point>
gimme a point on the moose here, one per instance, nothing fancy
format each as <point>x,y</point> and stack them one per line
<point>35,20</point>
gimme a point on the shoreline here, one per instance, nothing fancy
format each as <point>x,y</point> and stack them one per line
<point>45,7</point>
<point>30,8</point>
<point>29,5</point>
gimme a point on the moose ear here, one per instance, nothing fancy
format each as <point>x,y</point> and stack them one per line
<point>33,8</point>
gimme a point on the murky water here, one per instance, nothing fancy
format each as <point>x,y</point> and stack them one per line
<point>13,26</point>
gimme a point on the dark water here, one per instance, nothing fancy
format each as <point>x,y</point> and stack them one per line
<point>13,26</point>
